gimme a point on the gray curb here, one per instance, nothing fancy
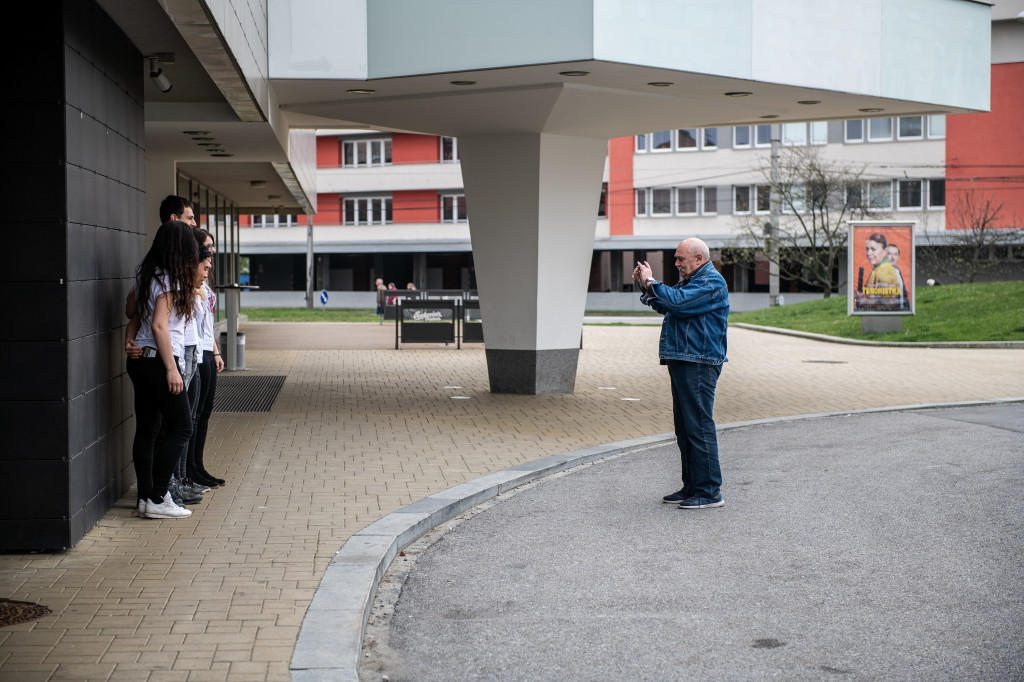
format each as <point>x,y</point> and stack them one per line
<point>891,344</point>
<point>329,645</point>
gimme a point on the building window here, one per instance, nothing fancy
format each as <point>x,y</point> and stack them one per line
<point>661,141</point>
<point>855,131</point>
<point>794,134</point>
<point>819,132</point>
<point>710,201</point>
<point>936,126</point>
<point>710,139</point>
<point>936,193</point>
<point>910,128</point>
<point>359,153</point>
<point>686,139</point>
<point>641,143</point>
<point>602,204</point>
<point>641,202</point>
<point>880,195</point>
<point>909,194</point>
<point>367,211</point>
<point>741,137</point>
<point>764,199</point>
<point>686,200</point>
<point>879,129</point>
<point>763,136</point>
<point>741,199</point>
<point>274,220</point>
<point>661,202</point>
<point>453,208</point>
<point>449,149</point>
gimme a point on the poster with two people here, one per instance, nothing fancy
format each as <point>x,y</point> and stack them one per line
<point>881,276</point>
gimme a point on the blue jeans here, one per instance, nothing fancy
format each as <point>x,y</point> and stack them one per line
<point>693,402</point>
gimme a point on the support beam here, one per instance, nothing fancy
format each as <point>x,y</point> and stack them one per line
<point>532,201</point>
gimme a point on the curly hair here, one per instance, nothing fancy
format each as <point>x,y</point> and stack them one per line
<point>174,255</point>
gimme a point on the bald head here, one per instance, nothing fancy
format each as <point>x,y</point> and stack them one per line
<point>690,255</point>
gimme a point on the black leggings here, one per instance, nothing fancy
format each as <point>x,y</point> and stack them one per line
<point>207,388</point>
<point>155,405</point>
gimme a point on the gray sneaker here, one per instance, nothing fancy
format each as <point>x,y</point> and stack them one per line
<point>166,509</point>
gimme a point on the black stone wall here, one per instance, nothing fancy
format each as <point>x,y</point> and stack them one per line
<point>74,174</point>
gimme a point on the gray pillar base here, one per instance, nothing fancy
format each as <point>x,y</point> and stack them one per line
<point>532,372</point>
<point>881,324</point>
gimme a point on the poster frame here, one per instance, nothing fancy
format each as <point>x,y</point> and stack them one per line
<point>907,226</point>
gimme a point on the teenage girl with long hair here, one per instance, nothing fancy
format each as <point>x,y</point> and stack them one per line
<point>164,296</point>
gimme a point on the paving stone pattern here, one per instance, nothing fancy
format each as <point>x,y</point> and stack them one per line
<point>357,434</point>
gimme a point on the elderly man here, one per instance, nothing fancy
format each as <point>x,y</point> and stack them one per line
<point>693,346</point>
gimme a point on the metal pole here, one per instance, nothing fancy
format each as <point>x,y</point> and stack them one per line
<point>309,261</point>
<point>775,210</point>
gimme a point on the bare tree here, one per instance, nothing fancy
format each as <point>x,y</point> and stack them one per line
<point>979,236</point>
<point>817,197</point>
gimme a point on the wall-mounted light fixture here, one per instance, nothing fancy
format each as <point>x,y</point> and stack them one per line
<point>157,75</point>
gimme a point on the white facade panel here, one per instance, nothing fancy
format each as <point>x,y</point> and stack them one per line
<point>318,39</point>
<point>831,44</point>
<point>408,37</point>
<point>439,176</point>
<point>923,38</point>
<point>688,35</point>
<point>243,23</point>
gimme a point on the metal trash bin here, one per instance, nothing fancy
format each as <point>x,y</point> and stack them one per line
<point>239,349</point>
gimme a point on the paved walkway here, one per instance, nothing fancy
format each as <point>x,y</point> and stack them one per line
<point>358,434</point>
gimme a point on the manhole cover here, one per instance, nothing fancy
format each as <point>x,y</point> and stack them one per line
<point>16,612</point>
<point>246,393</point>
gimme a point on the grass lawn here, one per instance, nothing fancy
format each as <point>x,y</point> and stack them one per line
<point>317,314</point>
<point>988,311</point>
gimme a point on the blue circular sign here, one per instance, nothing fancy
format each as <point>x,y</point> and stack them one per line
<point>323,297</point>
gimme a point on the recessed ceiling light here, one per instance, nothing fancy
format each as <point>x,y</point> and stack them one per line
<point>809,101</point>
<point>273,197</point>
<point>221,154</point>
<point>463,82</point>
<point>257,183</point>
<point>770,116</point>
<point>361,91</point>
<point>202,139</point>
<point>573,73</point>
<point>195,132</point>
<point>211,144</point>
<point>871,110</point>
<point>660,84</point>
<point>738,93</point>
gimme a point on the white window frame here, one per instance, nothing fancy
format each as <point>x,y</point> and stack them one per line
<point>367,147</point>
<point>936,207</point>
<point>846,131</point>
<point>790,129</point>
<point>871,195</point>
<point>750,138</point>
<point>919,136</point>
<point>900,183</point>
<point>817,133</point>
<point>456,202</point>
<point>736,193</point>
<point>640,143</point>
<point>696,201</point>
<point>756,131</point>
<point>454,146</point>
<point>671,201</point>
<point>756,196</point>
<point>640,197</point>
<point>364,209</point>
<point>872,138</point>
<point>696,139</point>
<point>670,141</point>
<point>703,194</point>
<point>932,135</point>
<point>704,139</point>
<point>274,220</point>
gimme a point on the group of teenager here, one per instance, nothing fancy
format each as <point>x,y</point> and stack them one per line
<point>173,360</point>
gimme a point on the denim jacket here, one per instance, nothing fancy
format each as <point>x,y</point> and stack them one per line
<point>696,317</point>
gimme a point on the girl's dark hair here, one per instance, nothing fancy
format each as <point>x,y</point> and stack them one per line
<point>174,255</point>
<point>202,235</point>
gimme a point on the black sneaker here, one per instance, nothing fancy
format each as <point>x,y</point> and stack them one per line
<point>696,502</point>
<point>676,497</point>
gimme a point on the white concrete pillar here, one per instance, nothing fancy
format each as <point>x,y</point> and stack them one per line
<point>532,201</point>
<point>161,180</point>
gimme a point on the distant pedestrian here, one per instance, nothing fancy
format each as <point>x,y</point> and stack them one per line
<point>381,297</point>
<point>693,345</point>
<point>392,299</point>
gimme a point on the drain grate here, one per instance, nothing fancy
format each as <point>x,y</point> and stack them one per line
<point>246,393</point>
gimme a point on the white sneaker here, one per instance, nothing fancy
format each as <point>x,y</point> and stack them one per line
<point>166,509</point>
<point>142,506</point>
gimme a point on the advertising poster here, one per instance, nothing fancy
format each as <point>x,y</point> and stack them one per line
<point>881,277</point>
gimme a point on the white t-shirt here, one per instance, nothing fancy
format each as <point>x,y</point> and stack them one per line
<point>194,327</point>
<point>176,325</point>
<point>209,305</point>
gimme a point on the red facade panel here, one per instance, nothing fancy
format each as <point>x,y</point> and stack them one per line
<point>409,148</point>
<point>328,152</point>
<point>619,207</point>
<point>328,209</point>
<point>415,206</point>
<point>985,152</point>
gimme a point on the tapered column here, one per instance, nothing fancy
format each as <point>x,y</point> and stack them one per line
<point>532,201</point>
